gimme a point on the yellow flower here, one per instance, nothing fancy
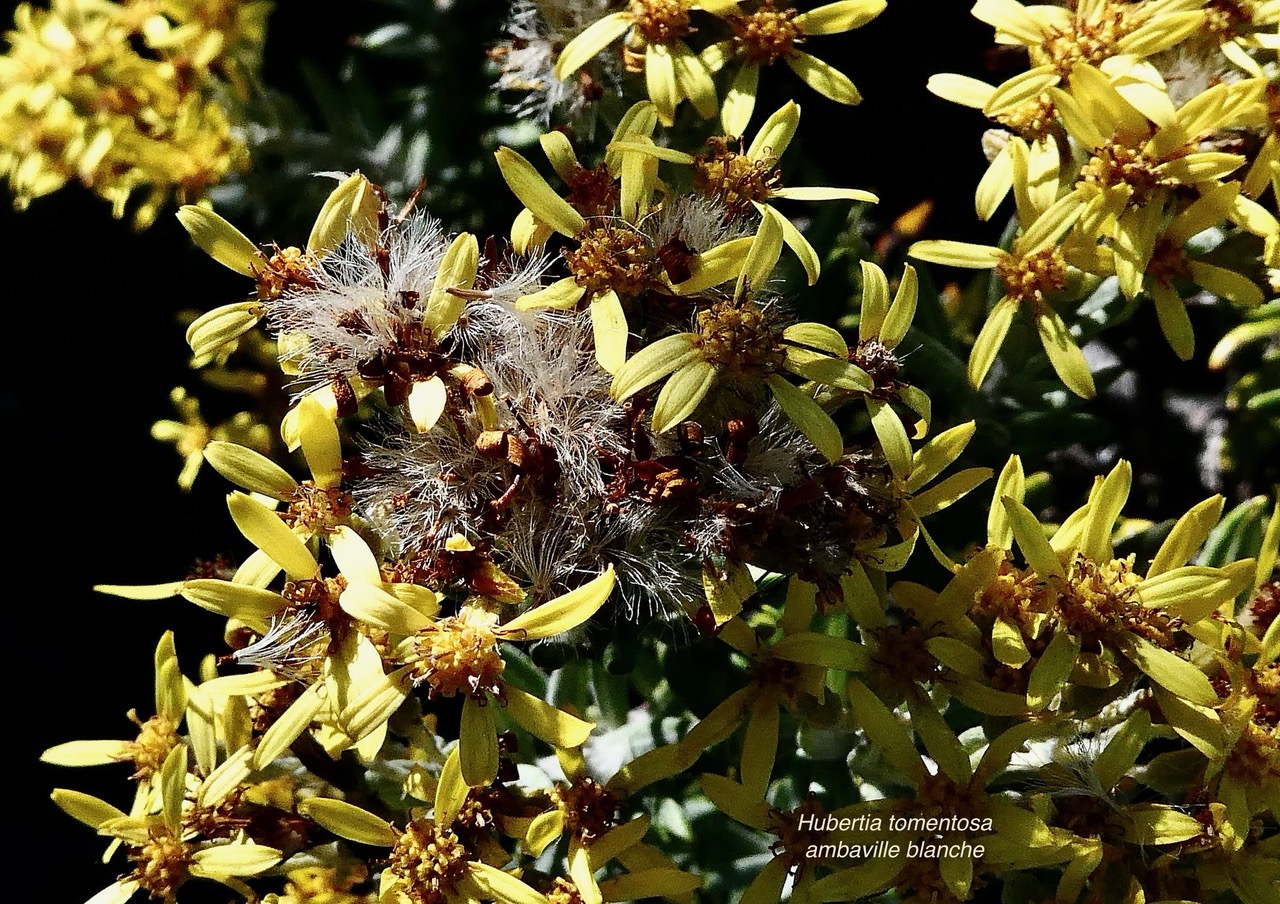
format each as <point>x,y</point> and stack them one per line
<point>743,180</point>
<point>126,104</point>
<point>1237,27</point>
<point>157,738</point>
<point>1139,158</point>
<point>1172,258</point>
<point>656,31</point>
<point>177,838</point>
<point>1074,608</point>
<point>1034,122</point>
<point>614,260</point>
<point>741,341</point>
<point>1094,32</point>
<point>587,812</point>
<point>427,863</point>
<point>461,654</point>
<point>768,34</point>
<point>191,435</point>
<point>1032,271</point>
<point>351,206</point>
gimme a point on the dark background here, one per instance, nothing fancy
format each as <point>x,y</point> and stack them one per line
<point>93,349</point>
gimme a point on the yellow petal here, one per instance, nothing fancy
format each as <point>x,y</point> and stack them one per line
<point>956,254</point>
<point>250,470</point>
<point>960,89</point>
<point>875,301</point>
<point>227,861</point>
<point>1168,670</point>
<point>488,883</point>
<point>1011,18</point>
<point>1076,120</point>
<point>220,240</point>
<point>609,328</point>
<point>1104,509</point>
<point>353,556</point>
<point>232,600</point>
<point>376,703</point>
<point>639,179</point>
<point>1160,824</point>
<point>562,613</point>
<point>660,79</point>
<point>1160,33</point>
<point>226,778</point>
<point>529,233</point>
<point>817,193</point>
<point>1188,535</point>
<point>990,338</point>
<point>427,400</point>
<point>286,729</point>
<point>760,745</point>
<point>353,199</point>
<point>844,15</point>
<point>823,78</point>
<point>1051,225</point>
<point>1011,483</point>
<point>374,606</point>
<point>478,742</point>
<point>457,271</point>
<point>996,182</point>
<point>118,892</point>
<point>559,151</point>
<point>1007,644</point>
<point>653,882</point>
<point>555,726</point>
<point>349,821</point>
<point>693,79</point>
<point>535,194</point>
<point>560,295</point>
<point>775,134</point>
<point>903,309</point>
<point>1065,356</point>
<point>886,732</point>
<point>808,417</point>
<point>593,39</point>
<point>892,436</point>
<point>87,753</point>
<point>682,394</point>
<point>823,368</point>
<point>823,650</point>
<point>740,100</point>
<point>451,790</point>
<point>1021,90</point>
<point>652,363</point>
<point>1175,323</point>
<point>1031,539</point>
<point>1228,284</point>
<point>731,799</point>
<point>211,331</point>
<point>715,266</point>
<point>1050,673</point>
<point>618,839</point>
<point>266,531</point>
<point>141,591</point>
<point>85,808</point>
<point>941,451</point>
<point>948,491</point>
<point>764,252</point>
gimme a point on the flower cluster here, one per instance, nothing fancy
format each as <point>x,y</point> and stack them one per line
<point>137,101</point>
<point>1140,136</point>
